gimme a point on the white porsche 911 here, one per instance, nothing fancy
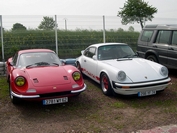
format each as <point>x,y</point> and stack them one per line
<point>119,71</point>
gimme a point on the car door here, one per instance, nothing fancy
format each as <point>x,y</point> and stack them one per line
<point>89,64</point>
<point>161,45</point>
<point>172,51</point>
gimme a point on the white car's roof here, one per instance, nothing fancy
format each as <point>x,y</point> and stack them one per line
<point>102,44</point>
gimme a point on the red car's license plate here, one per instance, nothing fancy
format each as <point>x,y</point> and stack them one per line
<point>55,101</point>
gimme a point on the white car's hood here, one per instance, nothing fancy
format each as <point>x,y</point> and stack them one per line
<point>137,69</point>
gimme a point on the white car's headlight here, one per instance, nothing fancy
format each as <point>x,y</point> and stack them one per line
<point>164,71</point>
<point>121,75</point>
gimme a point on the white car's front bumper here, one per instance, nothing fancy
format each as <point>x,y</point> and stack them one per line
<point>135,88</point>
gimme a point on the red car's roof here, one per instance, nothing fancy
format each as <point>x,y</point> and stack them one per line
<point>34,50</point>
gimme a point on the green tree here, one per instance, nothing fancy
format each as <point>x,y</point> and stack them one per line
<point>131,29</point>
<point>18,26</point>
<point>136,11</point>
<point>120,30</point>
<point>47,23</point>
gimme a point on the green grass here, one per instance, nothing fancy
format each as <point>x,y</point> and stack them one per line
<point>4,92</point>
<point>119,105</point>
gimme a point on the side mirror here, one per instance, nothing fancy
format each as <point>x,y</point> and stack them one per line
<point>82,52</point>
<point>94,57</point>
<point>10,63</point>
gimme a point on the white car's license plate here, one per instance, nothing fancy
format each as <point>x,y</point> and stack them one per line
<point>146,93</point>
<point>55,101</point>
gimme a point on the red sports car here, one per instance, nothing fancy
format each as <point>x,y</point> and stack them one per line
<point>38,74</point>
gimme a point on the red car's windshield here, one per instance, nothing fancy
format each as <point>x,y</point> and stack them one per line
<point>27,59</point>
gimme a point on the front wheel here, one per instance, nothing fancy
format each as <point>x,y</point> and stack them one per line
<point>78,66</point>
<point>152,58</point>
<point>105,85</point>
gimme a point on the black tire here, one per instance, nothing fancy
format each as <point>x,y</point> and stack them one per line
<point>14,100</point>
<point>152,58</point>
<point>105,85</point>
<point>78,66</point>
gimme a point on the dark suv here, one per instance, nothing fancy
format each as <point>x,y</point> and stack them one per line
<point>158,43</point>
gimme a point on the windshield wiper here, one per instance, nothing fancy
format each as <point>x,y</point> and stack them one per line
<point>38,64</point>
<point>32,65</point>
<point>127,56</point>
<point>42,63</point>
<point>55,64</point>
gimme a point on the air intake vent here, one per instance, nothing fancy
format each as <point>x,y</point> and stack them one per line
<point>65,77</point>
<point>35,80</point>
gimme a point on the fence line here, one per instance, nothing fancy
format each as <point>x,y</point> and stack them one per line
<point>71,33</point>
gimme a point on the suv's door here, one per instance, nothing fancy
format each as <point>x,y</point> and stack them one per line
<point>172,54</point>
<point>161,45</point>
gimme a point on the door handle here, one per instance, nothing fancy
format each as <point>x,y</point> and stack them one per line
<point>154,46</point>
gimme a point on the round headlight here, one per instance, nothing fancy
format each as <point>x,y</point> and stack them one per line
<point>20,81</point>
<point>164,71</point>
<point>76,76</point>
<point>121,75</point>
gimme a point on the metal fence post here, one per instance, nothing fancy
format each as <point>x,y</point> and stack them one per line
<point>56,36</point>
<point>2,45</point>
<point>104,40</point>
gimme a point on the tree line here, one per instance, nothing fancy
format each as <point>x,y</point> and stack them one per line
<point>133,11</point>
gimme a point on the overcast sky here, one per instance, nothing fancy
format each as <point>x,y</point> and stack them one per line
<point>89,13</point>
<point>166,8</point>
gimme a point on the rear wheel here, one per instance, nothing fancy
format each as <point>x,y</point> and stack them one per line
<point>105,85</point>
<point>14,100</point>
<point>152,58</point>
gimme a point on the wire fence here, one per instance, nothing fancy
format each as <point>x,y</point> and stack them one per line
<point>73,33</point>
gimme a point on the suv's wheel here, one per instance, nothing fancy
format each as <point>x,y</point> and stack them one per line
<point>152,58</point>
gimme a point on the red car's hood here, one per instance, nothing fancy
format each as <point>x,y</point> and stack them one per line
<point>46,76</point>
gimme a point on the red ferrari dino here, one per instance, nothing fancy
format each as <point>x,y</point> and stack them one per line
<point>38,74</point>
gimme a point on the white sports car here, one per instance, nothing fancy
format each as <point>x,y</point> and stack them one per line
<point>119,71</point>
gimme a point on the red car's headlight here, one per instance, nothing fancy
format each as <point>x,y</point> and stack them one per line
<point>20,81</point>
<point>76,76</point>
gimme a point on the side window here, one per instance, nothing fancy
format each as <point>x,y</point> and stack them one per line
<point>14,60</point>
<point>174,38</point>
<point>163,37</point>
<point>86,53</point>
<point>90,52</point>
<point>146,36</point>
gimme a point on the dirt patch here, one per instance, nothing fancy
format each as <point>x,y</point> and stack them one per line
<point>92,112</point>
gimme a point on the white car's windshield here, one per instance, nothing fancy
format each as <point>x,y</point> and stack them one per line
<point>115,52</point>
<point>38,58</point>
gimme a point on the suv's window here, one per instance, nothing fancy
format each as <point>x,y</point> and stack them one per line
<point>163,37</point>
<point>146,36</point>
<point>174,38</point>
